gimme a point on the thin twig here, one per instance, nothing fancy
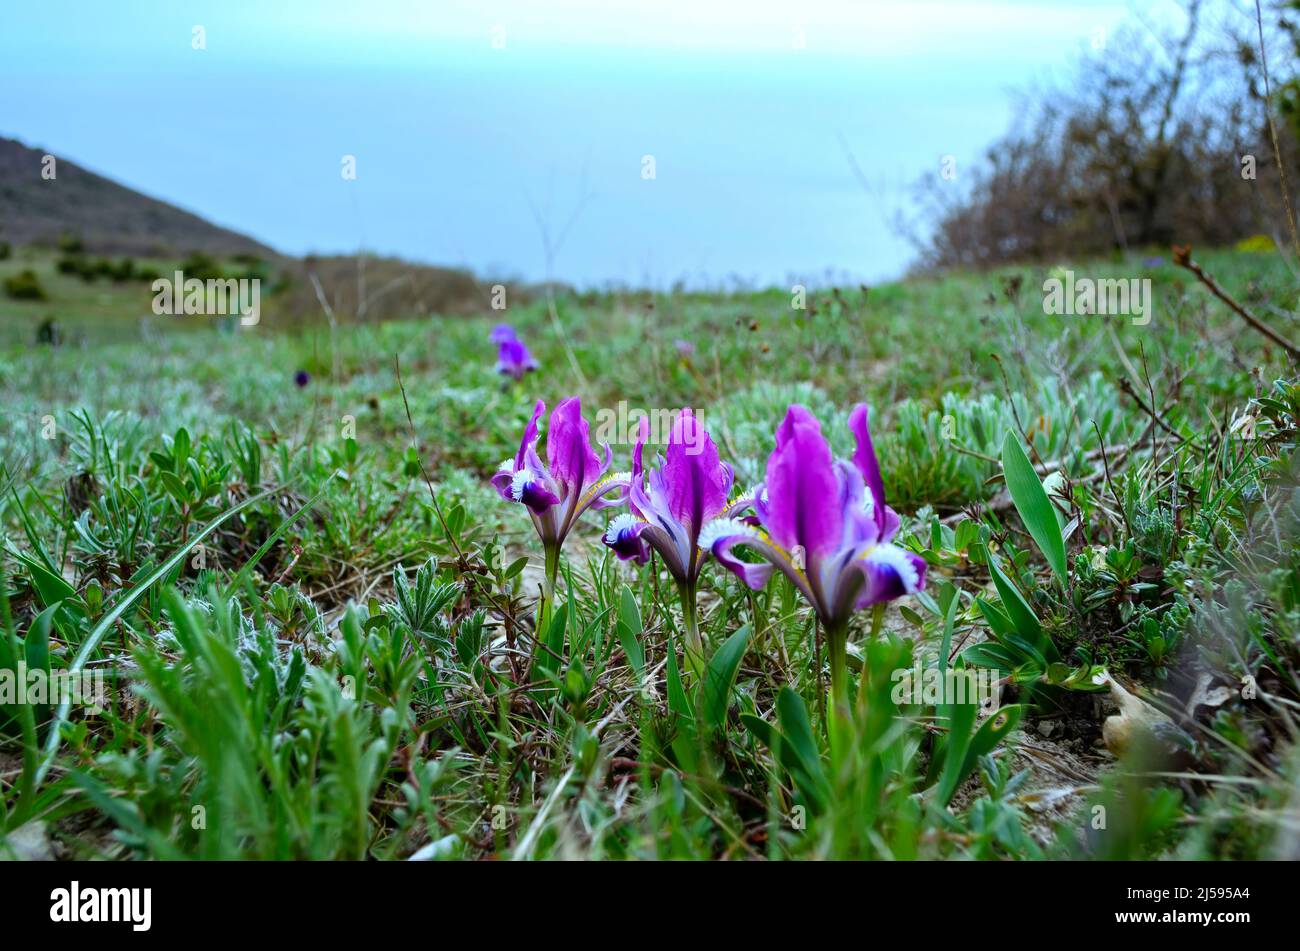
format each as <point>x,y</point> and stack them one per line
<point>1119,503</point>
<point>1183,258</point>
<point>415,444</point>
<point>1272,128</point>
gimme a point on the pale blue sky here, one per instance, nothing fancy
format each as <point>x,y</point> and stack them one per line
<point>742,104</point>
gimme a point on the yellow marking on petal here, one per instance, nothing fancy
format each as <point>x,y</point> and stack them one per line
<point>604,485</point>
<point>764,537</point>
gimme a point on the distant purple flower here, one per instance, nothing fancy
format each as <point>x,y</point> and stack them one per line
<point>572,481</point>
<point>513,358</point>
<point>1154,262</point>
<point>301,378</point>
<point>824,523</point>
<point>685,348</point>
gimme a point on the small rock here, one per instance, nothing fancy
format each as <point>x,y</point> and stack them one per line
<point>28,843</point>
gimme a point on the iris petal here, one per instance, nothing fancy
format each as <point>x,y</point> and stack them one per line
<point>569,455</point>
<point>623,536</point>
<point>695,480</point>
<point>864,457</point>
<point>530,434</point>
<point>722,535</point>
<point>502,479</point>
<point>530,489</point>
<point>802,487</point>
<point>890,572</point>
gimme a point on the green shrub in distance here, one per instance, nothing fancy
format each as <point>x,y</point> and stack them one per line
<point>25,285</point>
<point>124,271</point>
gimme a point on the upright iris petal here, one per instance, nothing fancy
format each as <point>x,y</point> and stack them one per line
<point>669,507</point>
<point>864,457</point>
<point>572,480</point>
<point>801,480</point>
<point>825,525</point>
<point>697,483</point>
<point>572,461</point>
<point>557,494</point>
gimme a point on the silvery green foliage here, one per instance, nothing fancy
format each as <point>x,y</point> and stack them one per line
<point>420,606</point>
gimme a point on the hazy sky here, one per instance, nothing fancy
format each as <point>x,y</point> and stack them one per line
<point>470,120</point>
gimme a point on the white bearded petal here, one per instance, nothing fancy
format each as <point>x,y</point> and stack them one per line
<point>617,525</point>
<point>899,560</point>
<point>723,528</point>
<point>519,483</point>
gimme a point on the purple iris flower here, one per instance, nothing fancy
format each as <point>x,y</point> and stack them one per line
<point>688,490</point>
<point>513,358</point>
<point>824,523</point>
<point>556,494</point>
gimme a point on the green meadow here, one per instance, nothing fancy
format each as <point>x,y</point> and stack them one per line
<point>318,629</point>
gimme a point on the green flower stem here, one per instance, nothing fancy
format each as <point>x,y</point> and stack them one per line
<point>837,642</point>
<point>691,627</point>
<point>546,604</point>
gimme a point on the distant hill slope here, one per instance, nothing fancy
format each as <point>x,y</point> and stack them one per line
<point>108,217</point>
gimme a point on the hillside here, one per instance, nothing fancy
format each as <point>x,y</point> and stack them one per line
<point>108,217</point>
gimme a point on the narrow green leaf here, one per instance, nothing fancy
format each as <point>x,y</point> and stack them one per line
<point>762,730</point>
<point>997,726</point>
<point>37,643</point>
<point>1014,603</point>
<point>1000,625</point>
<point>798,748</point>
<point>51,587</point>
<point>792,714</point>
<point>552,650</point>
<point>960,720</point>
<point>1031,502</point>
<point>945,643</point>
<point>991,655</point>
<point>629,631</point>
<point>677,701</point>
<point>720,675</point>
